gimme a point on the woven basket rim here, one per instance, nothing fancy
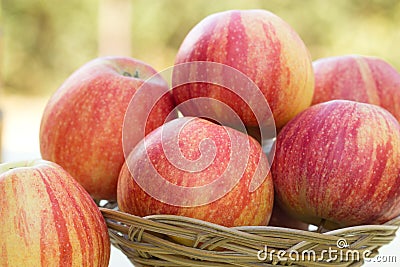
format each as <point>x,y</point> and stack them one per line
<point>139,239</point>
<point>391,224</point>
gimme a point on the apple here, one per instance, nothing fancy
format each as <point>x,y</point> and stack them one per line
<point>48,219</point>
<point>359,78</point>
<point>280,218</point>
<point>195,168</point>
<point>260,45</point>
<point>337,164</point>
<point>81,127</point>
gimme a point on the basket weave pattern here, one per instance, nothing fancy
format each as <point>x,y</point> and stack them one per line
<point>157,241</point>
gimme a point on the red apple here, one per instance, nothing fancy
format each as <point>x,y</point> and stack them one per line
<point>260,45</point>
<point>81,127</point>
<point>359,78</point>
<point>48,219</point>
<point>192,167</point>
<point>338,164</point>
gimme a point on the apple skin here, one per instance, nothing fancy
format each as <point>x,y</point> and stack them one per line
<point>338,164</point>
<point>48,219</point>
<point>82,124</point>
<point>359,78</point>
<point>239,206</point>
<point>263,47</point>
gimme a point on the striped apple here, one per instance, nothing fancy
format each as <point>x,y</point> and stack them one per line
<point>48,219</point>
<point>338,163</point>
<point>195,168</point>
<point>262,46</point>
<point>81,126</point>
<point>360,78</point>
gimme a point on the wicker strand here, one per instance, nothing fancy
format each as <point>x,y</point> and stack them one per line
<point>168,240</point>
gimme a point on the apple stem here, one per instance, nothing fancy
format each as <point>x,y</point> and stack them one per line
<point>321,225</point>
<point>128,74</point>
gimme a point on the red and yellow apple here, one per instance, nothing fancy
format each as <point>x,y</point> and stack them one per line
<point>82,124</point>
<point>48,219</point>
<point>359,78</point>
<point>260,45</point>
<point>195,168</point>
<point>338,164</point>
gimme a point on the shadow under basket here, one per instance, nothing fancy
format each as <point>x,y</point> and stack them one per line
<point>168,240</point>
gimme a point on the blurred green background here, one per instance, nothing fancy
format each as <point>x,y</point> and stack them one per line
<point>43,42</point>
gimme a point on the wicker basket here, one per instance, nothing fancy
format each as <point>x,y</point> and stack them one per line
<point>160,240</point>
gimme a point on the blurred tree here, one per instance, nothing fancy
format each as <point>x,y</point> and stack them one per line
<point>327,27</point>
<point>44,41</point>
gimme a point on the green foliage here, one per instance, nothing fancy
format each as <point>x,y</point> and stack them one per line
<point>44,41</point>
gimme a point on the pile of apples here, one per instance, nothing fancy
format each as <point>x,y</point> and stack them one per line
<point>116,130</point>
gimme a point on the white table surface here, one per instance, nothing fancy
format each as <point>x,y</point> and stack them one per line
<point>20,142</point>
